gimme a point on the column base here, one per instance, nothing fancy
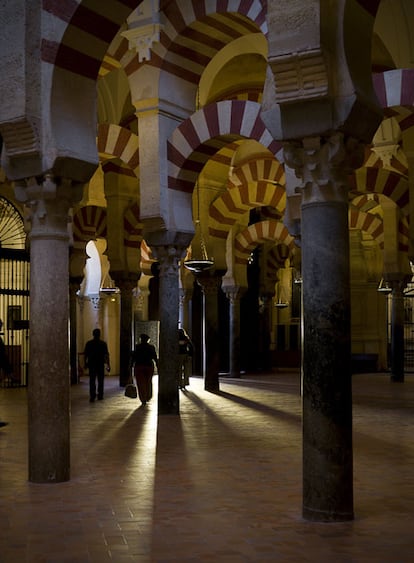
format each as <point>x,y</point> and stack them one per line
<point>314,515</point>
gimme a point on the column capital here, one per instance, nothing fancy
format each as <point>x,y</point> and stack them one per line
<point>323,164</point>
<point>48,200</point>
<point>47,187</point>
<point>169,256</point>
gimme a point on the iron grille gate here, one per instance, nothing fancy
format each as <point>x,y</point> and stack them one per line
<point>14,311</point>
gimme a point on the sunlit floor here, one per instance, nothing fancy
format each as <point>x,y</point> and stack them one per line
<point>219,483</point>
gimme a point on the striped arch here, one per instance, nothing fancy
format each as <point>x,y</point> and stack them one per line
<point>226,210</point>
<point>373,225</point>
<point>249,238</point>
<point>258,169</point>
<point>205,132</point>
<point>89,223</point>
<point>383,182</point>
<point>275,260</point>
<point>132,227</point>
<point>189,39</point>
<point>83,58</point>
<point>117,142</point>
<point>368,223</point>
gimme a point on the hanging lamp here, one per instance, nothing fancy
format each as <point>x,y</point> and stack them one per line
<point>202,262</point>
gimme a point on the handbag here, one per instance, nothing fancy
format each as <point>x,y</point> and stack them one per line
<point>131,391</point>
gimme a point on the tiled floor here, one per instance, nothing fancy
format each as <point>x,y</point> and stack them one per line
<point>219,483</point>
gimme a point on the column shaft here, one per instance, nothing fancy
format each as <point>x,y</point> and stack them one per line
<point>211,360</point>
<point>126,286</point>
<point>327,399</point>
<point>49,372</point>
<point>168,398</point>
<point>397,333</point>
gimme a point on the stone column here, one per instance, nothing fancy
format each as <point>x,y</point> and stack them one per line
<point>211,352</point>
<point>265,329</point>
<point>126,284</point>
<point>233,294</point>
<point>74,285</point>
<point>327,395</point>
<point>49,381</point>
<point>397,332</point>
<point>168,398</point>
<point>185,299</point>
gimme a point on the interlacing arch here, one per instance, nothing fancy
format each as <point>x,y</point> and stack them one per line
<point>275,259</point>
<point>132,226</point>
<point>189,39</point>
<point>117,142</point>
<point>258,169</point>
<point>382,182</point>
<point>368,223</point>
<point>258,233</point>
<point>89,223</point>
<point>227,209</point>
<point>83,58</point>
<point>208,130</point>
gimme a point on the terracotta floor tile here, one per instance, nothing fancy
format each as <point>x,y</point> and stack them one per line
<point>220,483</point>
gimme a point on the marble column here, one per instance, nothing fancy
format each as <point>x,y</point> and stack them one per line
<point>210,285</point>
<point>184,314</point>
<point>324,165</point>
<point>74,285</point>
<point>126,284</point>
<point>49,202</point>
<point>168,397</point>
<point>233,294</point>
<point>397,332</point>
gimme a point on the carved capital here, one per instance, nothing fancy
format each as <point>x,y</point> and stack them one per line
<point>323,164</point>
<point>48,201</point>
<point>169,257</point>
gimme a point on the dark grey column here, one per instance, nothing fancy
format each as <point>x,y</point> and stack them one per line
<point>211,357</point>
<point>233,294</point>
<point>327,392</point>
<point>168,397</point>
<point>126,284</point>
<point>397,332</point>
<point>49,378</point>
